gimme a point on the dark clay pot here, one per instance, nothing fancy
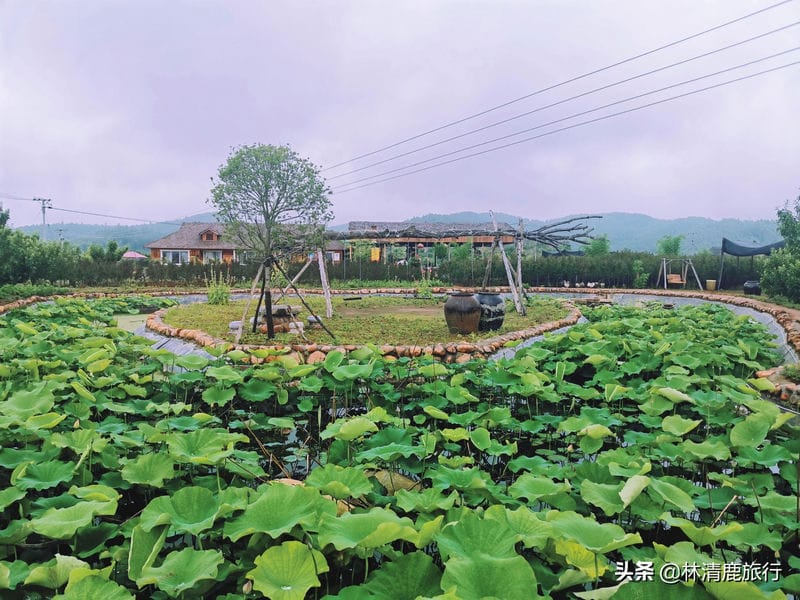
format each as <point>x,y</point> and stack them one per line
<point>493,311</point>
<point>462,311</point>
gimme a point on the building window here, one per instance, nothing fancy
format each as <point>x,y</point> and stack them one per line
<point>212,256</point>
<point>176,257</point>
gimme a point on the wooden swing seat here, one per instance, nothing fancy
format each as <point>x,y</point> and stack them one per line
<point>675,279</point>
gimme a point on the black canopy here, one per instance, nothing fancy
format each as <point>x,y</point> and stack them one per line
<point>734,249</point>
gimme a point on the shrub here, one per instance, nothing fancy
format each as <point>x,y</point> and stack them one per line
<point>219,289</point>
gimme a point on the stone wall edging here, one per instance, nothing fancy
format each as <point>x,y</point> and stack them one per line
<point>458,352</point>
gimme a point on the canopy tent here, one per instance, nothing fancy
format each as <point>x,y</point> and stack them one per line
<point>734,249</point>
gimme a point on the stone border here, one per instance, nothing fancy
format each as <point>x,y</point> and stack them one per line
<point>451,352</point>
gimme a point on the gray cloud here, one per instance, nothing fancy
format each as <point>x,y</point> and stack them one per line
<point>129,107</point>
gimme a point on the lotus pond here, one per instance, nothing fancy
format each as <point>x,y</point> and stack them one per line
<point>578,469</point>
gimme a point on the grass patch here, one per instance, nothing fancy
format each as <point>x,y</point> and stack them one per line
<point>373,319</point>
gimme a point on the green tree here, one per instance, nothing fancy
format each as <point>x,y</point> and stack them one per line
<point>268,197</point>
<point>599,246</point>
<point>669,245</point>
<point>781,273</point>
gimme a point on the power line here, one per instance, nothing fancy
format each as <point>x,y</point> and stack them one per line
<point>568,127</point>
<point>557,85</point>
<point>564,101</point>
<point>94,214</point>
<point>567,118</point>
<point>48,206</point>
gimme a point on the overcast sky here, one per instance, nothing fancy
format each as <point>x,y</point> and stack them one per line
<point>129,107</point>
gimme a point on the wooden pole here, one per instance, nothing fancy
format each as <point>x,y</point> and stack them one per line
<point>308,308</point>
<point>258,304</point>
<point>488,267</point>
<point>326,288</point>
<point>268,297</point>
<point>247,304</point>
<point>297,277</point>
<point>520,248</point>
<point>509,272</point>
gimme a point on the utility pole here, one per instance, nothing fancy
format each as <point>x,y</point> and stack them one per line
<point>46,203</point>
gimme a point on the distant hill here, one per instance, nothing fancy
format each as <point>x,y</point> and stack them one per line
<point>624,230</point>
<point>632,231</point>
<point>132,236</point>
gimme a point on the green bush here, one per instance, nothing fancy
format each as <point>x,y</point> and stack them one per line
<point>781,275</point>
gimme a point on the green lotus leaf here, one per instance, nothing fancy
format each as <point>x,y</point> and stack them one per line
<point>94,586</point>
<point>352,372</point>
<point>768,456</point>
<point>710,448</point>
<point>190,509</point>
<point>22,404</point>
<point>752,536</point>
<point>181,570</point>
<point>577,555</point>
<point>528,528</point>
<point>435,413</point>
<point>54,573</point>
<point>405,578</point>
<point>534,487</point>
<point>677,425</point>
<point>673,395</point>
<point>79,441</point>
<point>45,421</point>
<point>480,438</point>
<point>509,578</point>
<point>225,374</point>
<point>10,495</point>
<point>310,383</point>
<point>257,390</point>
<point>339,482</point>
<point>434,370</point>
<point>98,366</point>
<point>134,391</point>
<point>13,573</point>
<point>632,489</point>
<point>90,541</point>
<point>217,395</point>
<point>192,362</point>
<point>454,434</point>
<point>303,371</point>
<point>702,536</point>
<point>144,548</point>
<point>426,501</point>
<point>43,475</point>
<point>667,492</point>
<point>95,493</point>
<point>459,395</point>
<point>333,360</point>
<point>474,537</point>
<point>393,451</point>
<point>752,431</point>
<point>150,469</point>
<point>349,429</point>
<point>288,571</point>
<point>605,496</point>
<point>204,446</point>
<point>596,537</point>
<point>371,529</point>
<point>278,509</point>
<point>62,523</point>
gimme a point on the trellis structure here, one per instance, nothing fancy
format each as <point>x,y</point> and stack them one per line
<point>553,235</point>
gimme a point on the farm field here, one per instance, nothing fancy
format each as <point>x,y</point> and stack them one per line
<point>632,455</point>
